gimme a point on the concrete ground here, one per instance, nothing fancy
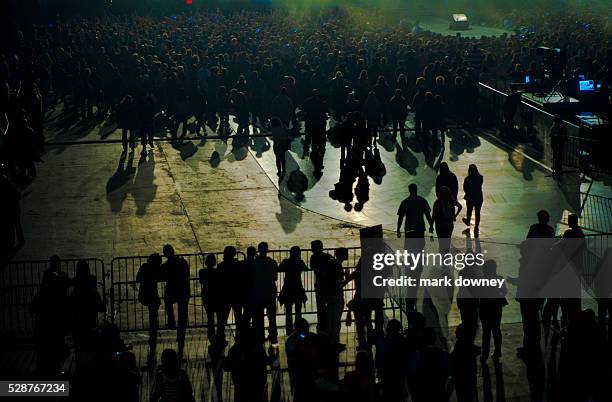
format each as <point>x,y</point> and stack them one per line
<point>93,201</point>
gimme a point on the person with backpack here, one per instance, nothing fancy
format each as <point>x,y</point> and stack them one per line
<point>171,383</point>
<point>175,272</point>
<point>147,277</point>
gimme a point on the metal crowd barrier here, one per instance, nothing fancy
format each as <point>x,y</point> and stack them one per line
<point>20,282</point>
<point>130,315</point>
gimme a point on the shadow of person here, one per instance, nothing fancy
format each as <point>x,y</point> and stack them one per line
<point>259,145</point>
<point>290,214</point>
<point>487,388</point>
<point>143,188</point>
<point>186,149</point>
<point>297,183</point>
<point>535,371</point>
<point>387,141</point>
<point>522,164</point>
<point>115,195</point>
<point>405,159</point>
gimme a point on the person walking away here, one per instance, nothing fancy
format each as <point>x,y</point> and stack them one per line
<point>148,277</point>
<point>126,120</point>
<point>175,272</point>
<point>280,136</point>
<point>398,106</point>
<point>292,294</point>
<point>446,178</point>
<point>472,187</point>
<point>411,214</point>
<point>445,211</point>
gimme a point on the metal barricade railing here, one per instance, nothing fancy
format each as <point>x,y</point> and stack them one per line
<point>20,282</point>
<point>596,247</point>
<point>130,315</point>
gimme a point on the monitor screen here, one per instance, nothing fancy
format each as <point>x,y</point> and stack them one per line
<point>586,86</point>
<point>527,79</point>
<point>460,17</point>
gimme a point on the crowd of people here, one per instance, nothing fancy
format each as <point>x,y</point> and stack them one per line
<point>271,71</point>
<point>155,73</point>
<point>391,362</point>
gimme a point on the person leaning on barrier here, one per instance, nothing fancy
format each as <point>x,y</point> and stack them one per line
<point>292,294</point>
<point>334,294</point>
<point>175,272</point>
<point>209,287</point>
<point>147,277</point>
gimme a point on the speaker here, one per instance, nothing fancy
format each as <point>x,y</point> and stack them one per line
<point>459,22</point>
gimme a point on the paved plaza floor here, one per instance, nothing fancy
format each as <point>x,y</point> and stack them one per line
<point>92,200</point>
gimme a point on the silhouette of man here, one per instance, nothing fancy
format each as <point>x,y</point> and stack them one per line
<point>175,271</point>
<point>319,260</point>
<point>446,178</point>
<point>411,214</point>
<point>265,272</point>
<point>148,277</point>
<point>334,294</point>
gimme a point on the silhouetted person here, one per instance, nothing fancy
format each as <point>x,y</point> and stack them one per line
<point>333,279</point>
<point>392,361</point>
<point>171,382</point>
<point>231,278</point>
<point>240,106</point>
<point>146,120</point>
<point>264,274</point>
<point>281,145</point>
<point>399,112</point>
<point>558,138</point>
<point>319,261</point>
<point>148,276</point>
<point>359,385</point>
<point>464,367</point>
<point>363,308</point>
<point>431,370</point>
<point>292,295</point>
<point>211,293</point>
<point>127,120</point>
<point>492,302</point>
<point>86,303</point>
<point>573,245</point>
<point>411,214</point>
<point>315,121</point>
<point>49,307</point>
<point>371,111</point>
<point>446,178</point>
<point>175,272</point>
<point>472,187</point>
<point>247,362</point>
<point>542,230</point>
<point>444,215</point>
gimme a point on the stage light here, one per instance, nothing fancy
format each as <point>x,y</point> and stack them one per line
<point>189,2</point>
